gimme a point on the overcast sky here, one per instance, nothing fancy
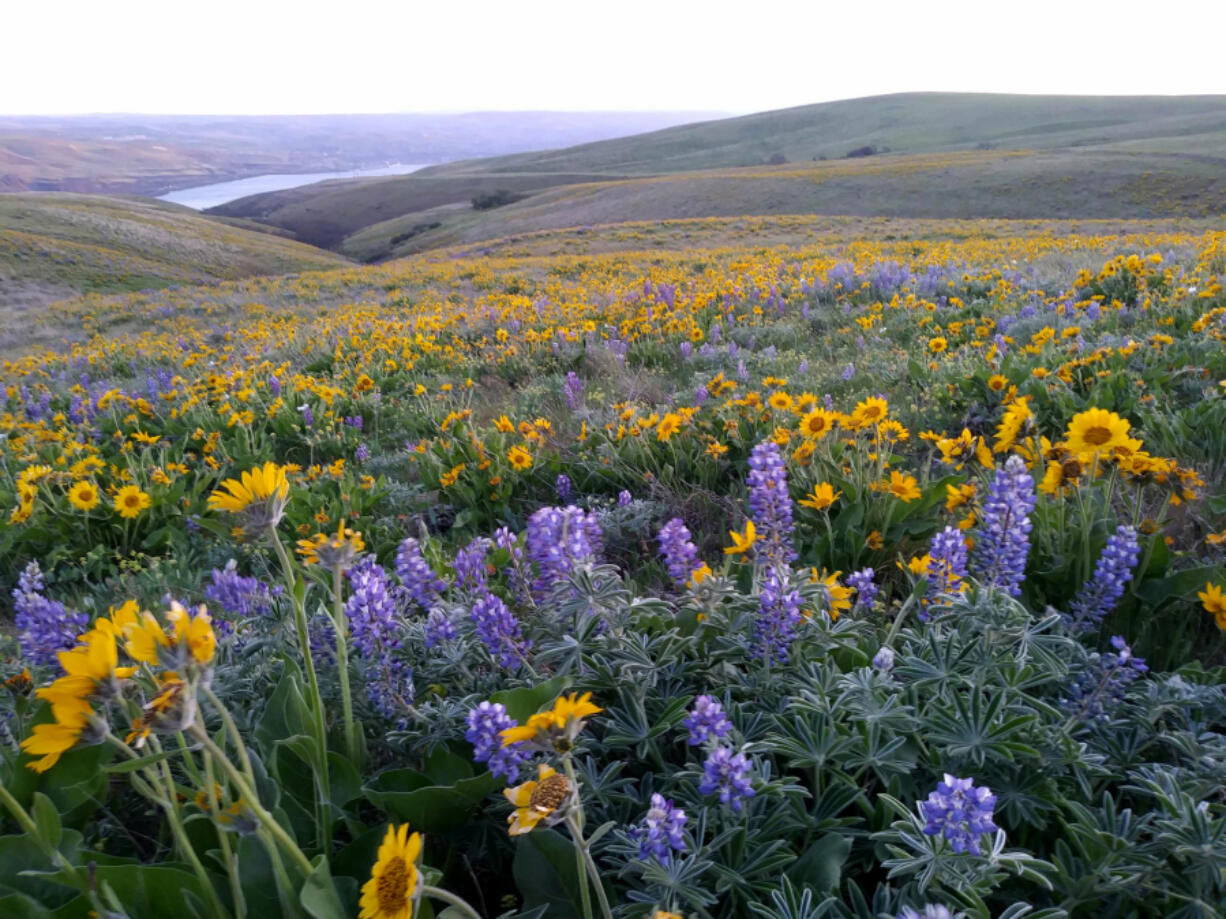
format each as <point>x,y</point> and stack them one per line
<point>269,56</point>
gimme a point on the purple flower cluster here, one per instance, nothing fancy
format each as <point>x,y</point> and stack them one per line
<point>415,573</point>
<point>516,577</point>
<point>573,389</point>
<point>1099,595</point>
<point>680,555</point>
<point>44,626</point>
<point>371,609</point>
<point>865,584</point>
<point>1099,689</point>
<point>960,812</point>
<point>662,831</point>
<point>499,630</point>
<point>1002,540</point>
<point>439,628</point>
<point>470,565</point>
<point>778,617</point>
<point>770,504</point>
<point>559,540</point>
<point>883,660</point>
<point>485,723</point>
<point>706,721</point>
<point>563,487</point>
<point>237,595</point>
<point>389,686</point>
<point>624,498</point>
<point>727,774</point>
<point>947,565</point>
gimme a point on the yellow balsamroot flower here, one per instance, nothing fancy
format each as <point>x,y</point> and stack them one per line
<point>83,496</point>
<point>823,496</point>
<point>874,540</point>
<point>700,574</point>
<point>556,728</point>
<point>937,345</point>
<point>519,458</point>
<point>780,401</point>
<point>1097,431</point>
<point>188,640</point>
<point>394,888</point>
<point>903,487</point>
<point>51,741</point>
<point>332,552</point>
<point>663,914</point>
<point>1017,413</point>
<point>543,798</point>
<point>997,383</point>
<point>669,425</point>
<point>130,501</point>
<point>259,496</point>
<point>838,596</point>
<point>818,423</point>
<point>741,543</point>
<point>870,411</point>
<point>1214,602</point>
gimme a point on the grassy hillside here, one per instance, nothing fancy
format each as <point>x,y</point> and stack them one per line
<point>53,245</point>
<point>996,184</point>
<point>902,123</point>
<point>937,155</point>
<point>324,213</point>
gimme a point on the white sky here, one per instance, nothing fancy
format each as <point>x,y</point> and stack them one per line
<point>274,56</point>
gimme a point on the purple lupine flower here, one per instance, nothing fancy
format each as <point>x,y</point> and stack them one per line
<point>701,395</point>
<point>308,416</point>
<point>1114,570</point>
<point>44,626</point>
<point>486,722</point>
<point>499,630</point>
<point>930,911</point>
<point>562,487</point>
<point>706,721</point>
<point>727,774</point>
<point>662,831</point>
<point>848,372</point>
<point>517,578</point>
<point>371,609</point>
<point>770,504</point>
<point>883,660</point>
<point>947,566</point>
<point>470,565</point>
<point>865,584</point>
<point>680,555</point>
<point>354,421</point>
<point>1099,689</point>
<point>361,454</point>
<point>415,573</point>
<point>573,388</point>
<point>439,628</point>
<point>274,386</point>
<point>560,539</point>
<point>778,617</point>
<point>389,686</point>
<point>687,350</point>
<point>1002,539</point>
<point>624,498</point>
<point>960,812</point>
<point>321,635</point>
<point>237,595</point>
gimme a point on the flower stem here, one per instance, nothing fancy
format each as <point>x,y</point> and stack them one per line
<point>341,627</point>
<point>450,899</point>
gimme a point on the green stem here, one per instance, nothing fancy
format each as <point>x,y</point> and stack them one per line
<point>897,624</point>
<point>236,889</point>
<point>341,627</point>
<point>249,797</point>
<point>236,739</point>
<point>323,818</point>
<point>450,899</point>
<point>583,856</point>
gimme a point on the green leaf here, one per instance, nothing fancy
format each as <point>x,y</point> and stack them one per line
<point>286,714</point>
<point>410,796</point>
<point>820,867</point>
<point>526,701</point>
<point>546,875</point>
<point>47,819</point>
<point>318,895</point>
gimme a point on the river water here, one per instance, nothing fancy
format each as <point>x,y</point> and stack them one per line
<point>205,196</point>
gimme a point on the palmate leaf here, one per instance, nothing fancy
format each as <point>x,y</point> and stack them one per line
<point>979,727</point>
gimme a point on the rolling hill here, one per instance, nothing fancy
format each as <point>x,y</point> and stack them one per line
<point>917,155</point>
<point>55,245</point>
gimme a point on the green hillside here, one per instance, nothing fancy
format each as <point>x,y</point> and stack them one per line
<point>925,155</point>
<point>902,123</point>
<point>54,245</point>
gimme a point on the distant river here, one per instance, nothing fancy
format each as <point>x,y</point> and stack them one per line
<point>206,196</point>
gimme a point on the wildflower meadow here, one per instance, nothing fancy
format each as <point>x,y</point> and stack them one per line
<point>878,575</point>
